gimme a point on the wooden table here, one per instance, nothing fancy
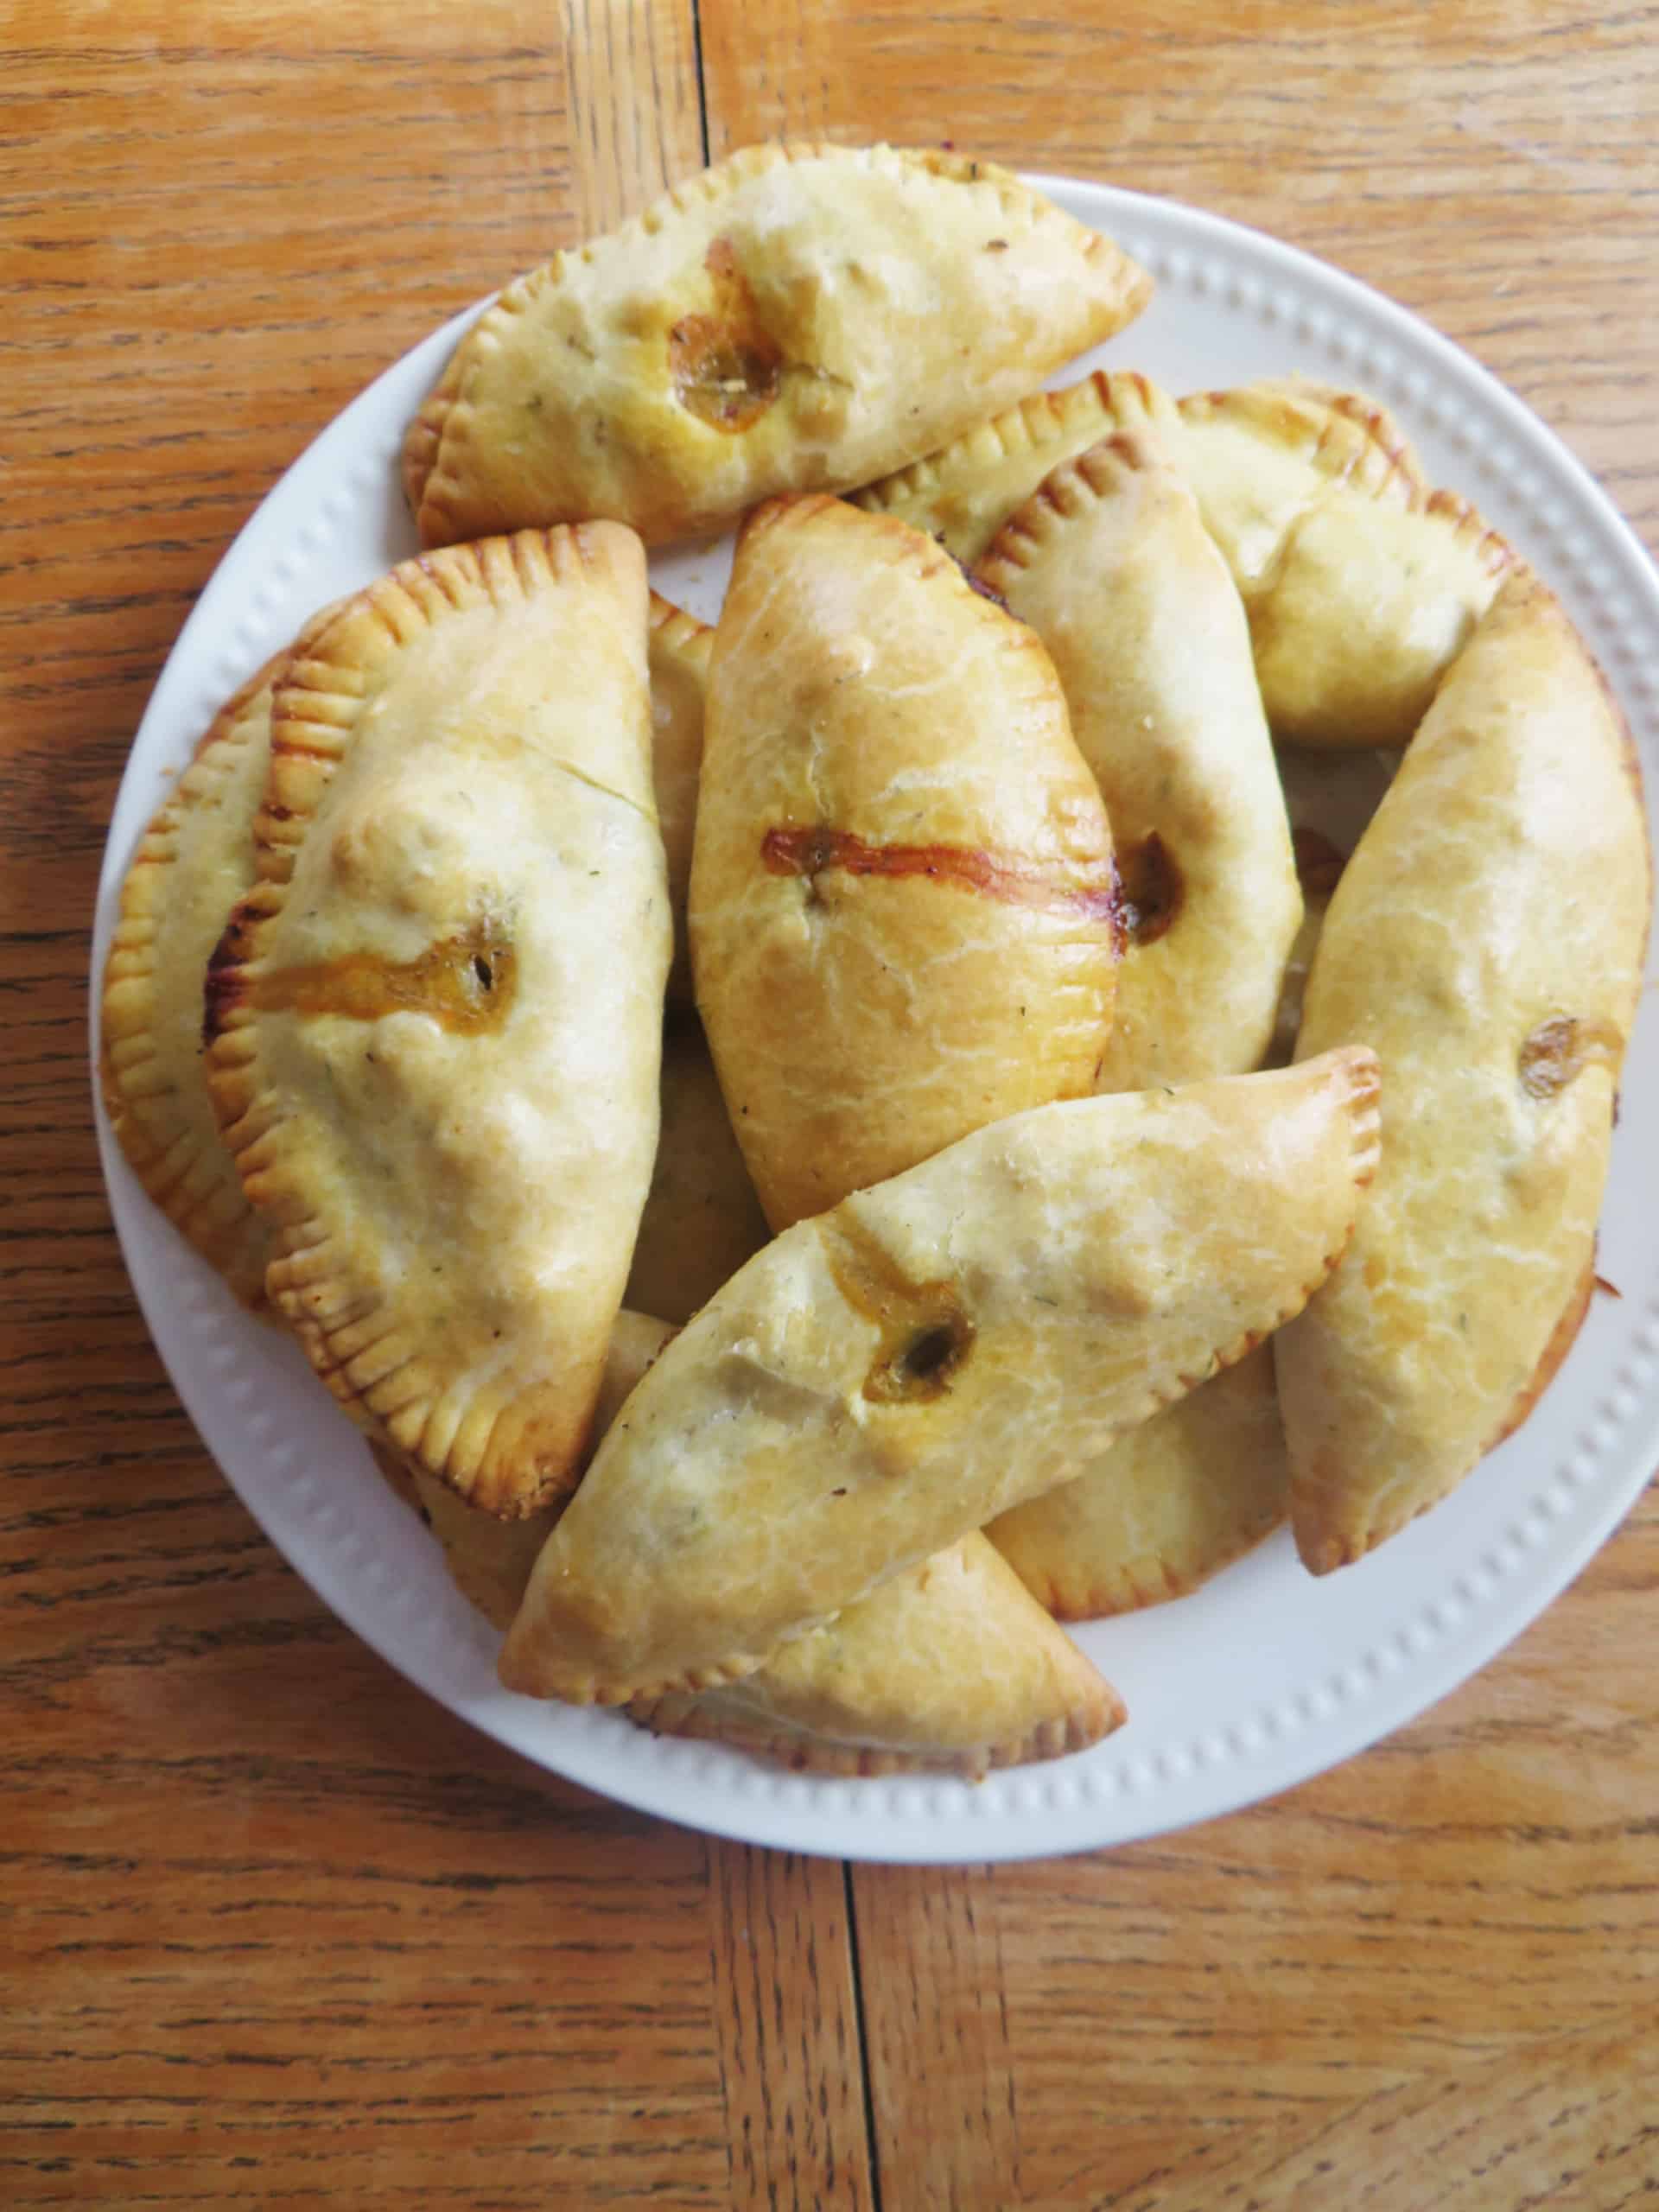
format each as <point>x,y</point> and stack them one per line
<point>280,1931</point>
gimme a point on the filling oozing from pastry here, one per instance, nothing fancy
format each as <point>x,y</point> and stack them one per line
<point>926,1334</point>
<point>1008,876</point>
<point>466,983</point>
<point>1152,889</point>
<point>727,370</point>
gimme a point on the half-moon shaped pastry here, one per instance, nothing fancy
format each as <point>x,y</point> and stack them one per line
<point>490,1559</point>
<point>1111,565</point>
<point>193,863</point>
<point>1170,1505</point>
<point>948,1668</point>
<point>903,912</point>
<point>702,1218</point>
<point>1361,583</point>
<point>801,317</point>
<point>435,1032</point>
<point>888,1376</point>
<point>1486,939</point>
<point>677,654</point>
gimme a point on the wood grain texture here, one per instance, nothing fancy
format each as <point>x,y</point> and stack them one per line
<point>274,1929</point>
<point>1430,1978</point>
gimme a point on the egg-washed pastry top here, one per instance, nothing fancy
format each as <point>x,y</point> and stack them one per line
<point>881,1379</point>
<point>1111,564</point>
<point>903,910</point>
<point>1486,939</point>
<point>1361,582</point>
<point>800,317</point>
<point>436,1033</point>
<point>194,861</point>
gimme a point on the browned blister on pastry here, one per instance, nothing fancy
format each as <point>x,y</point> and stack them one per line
<point>1486,938</point>
<point>1111,565</point>
<point>195,860</point>
<point>888,1376</point>
<point>903,912</point>
<point>435,1031</point>
<point>1361,583</point>
<point>950,1668</point>
<point>800,317</point>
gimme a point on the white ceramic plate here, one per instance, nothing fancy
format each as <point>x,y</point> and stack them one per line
<point>1264,1677</point>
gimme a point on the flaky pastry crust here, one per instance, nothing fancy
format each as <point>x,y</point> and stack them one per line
<point>950,1668</point>
<point>903,912</point>
<point>1486,939</point>
<point>435,1030</point>
<point>1111,565</point>
<point>194,861</point>
<point>882,1379</point>
<point>1362,584</point>
<point>800,317</point>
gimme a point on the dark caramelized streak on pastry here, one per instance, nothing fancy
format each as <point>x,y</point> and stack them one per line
<point>925,1336</point>
<point>1561,1048</point>
<point>811,851</point>
<point>466,983</point>
<point>725,369</point>
<point>1152,889</point>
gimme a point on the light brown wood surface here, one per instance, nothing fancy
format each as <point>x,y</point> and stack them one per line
<point>278,1931</point>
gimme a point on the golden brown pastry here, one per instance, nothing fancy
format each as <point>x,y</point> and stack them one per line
<point>950,1667</point>
<point>903,912</point>
<point>1361,583</point>
<point>1170,1505</point>
<point>435,1032</point>
<point>1111,565</point>
<point>964,493</point>
<point>490,1559</point>
<point>1486,939</point>
<point>677,654</point>
<point>800,317</point>
<point>194,862</point>
<point>882,1379</point>
<point>702,1218</point>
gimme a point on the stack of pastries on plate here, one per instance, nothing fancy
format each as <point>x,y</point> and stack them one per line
<point>818,1148</point>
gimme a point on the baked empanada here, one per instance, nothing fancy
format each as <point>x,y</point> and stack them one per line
<point>194,862</point>
<point>702,1218</point>
<point>490,1559</point>
<point>950,1667</point>
<point>802,317</point>
<point>1486,939</point>
<point>677,654</point>
<point>1170,1505</point>
<point>1111,567</point>
<point>884,1378</point>
<point>903,912</point>
<point>1361,584</point>
<point>435,1032</point>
